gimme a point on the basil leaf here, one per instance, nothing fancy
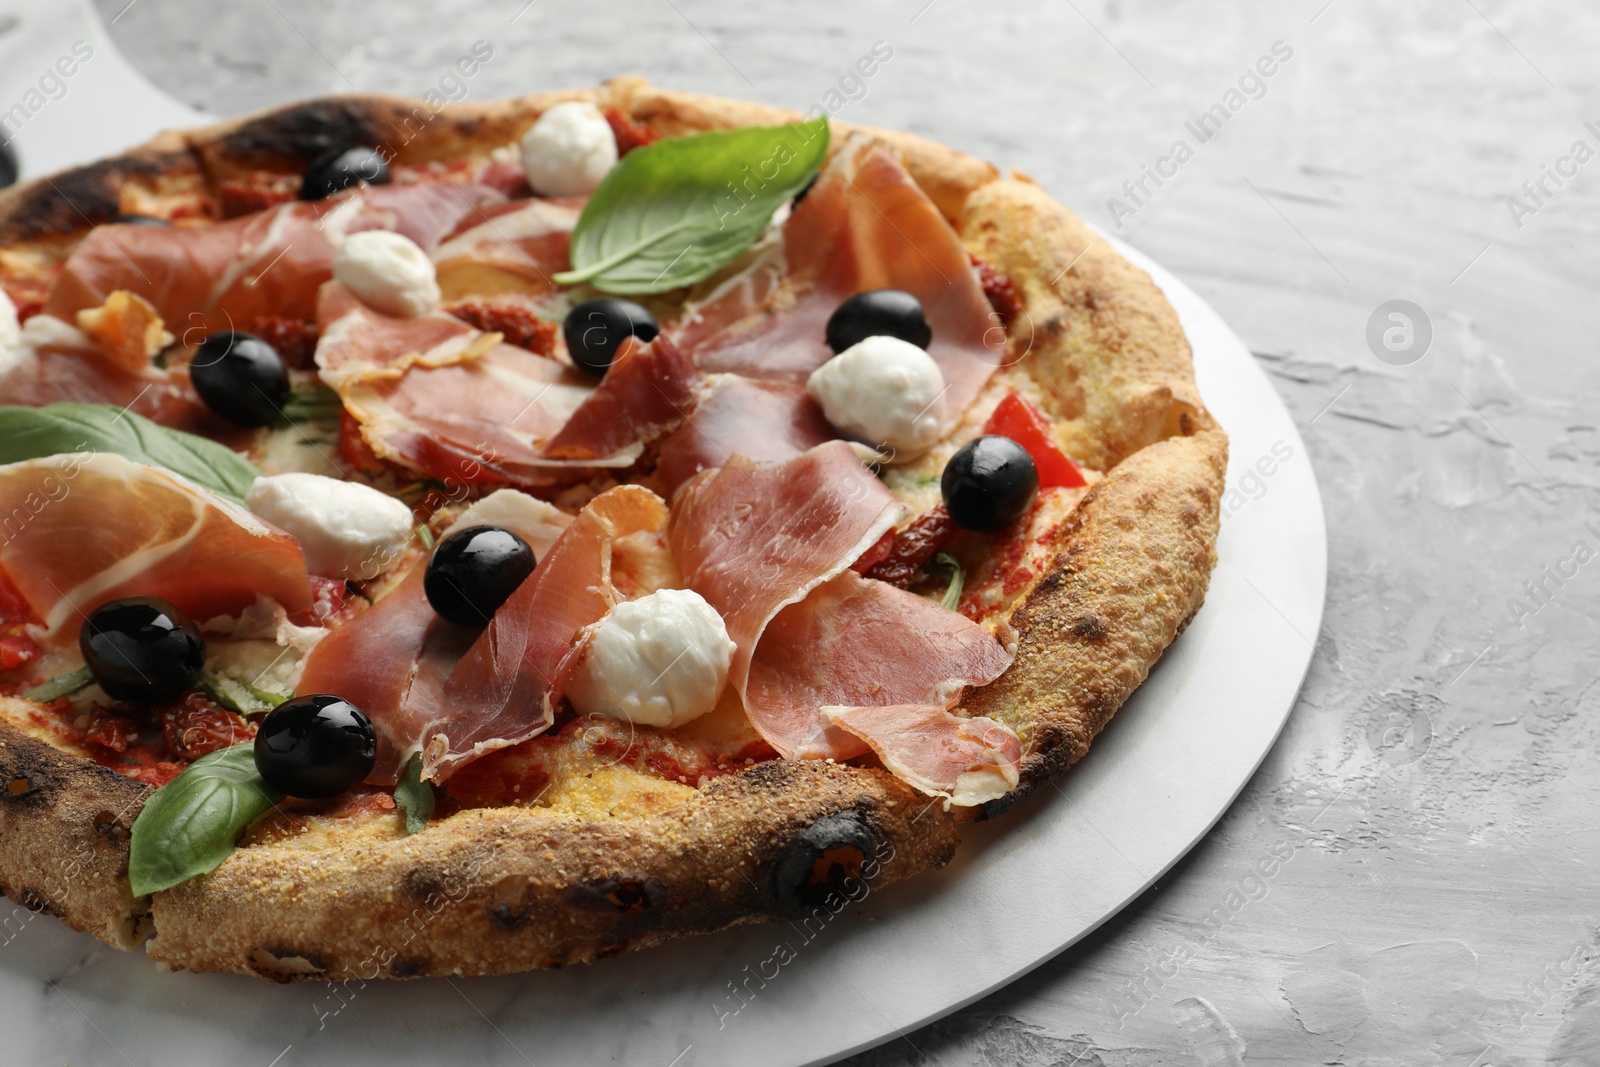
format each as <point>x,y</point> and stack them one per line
<point>191,824</point>
<point>952,594</point>
<point>414,796</point>
<point>58,429</point>
<point>671,213</point>
<point>60,686</point>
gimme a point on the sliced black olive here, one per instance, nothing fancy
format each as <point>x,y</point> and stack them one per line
<point>141,649</point>
<point>474,571</point>
<point>240,377</point>
<point>878,313</point>
<point>8,164</point>
<point>989,484</point>
<point>315,747</point>
<point>834,857</point>
<point>129,219</point>
<point>596,328</point>
<point>341,168</point>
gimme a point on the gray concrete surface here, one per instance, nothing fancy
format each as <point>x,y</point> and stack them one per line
<point>1436,787</point>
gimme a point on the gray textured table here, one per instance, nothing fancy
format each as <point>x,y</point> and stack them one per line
<point>1435,789</point>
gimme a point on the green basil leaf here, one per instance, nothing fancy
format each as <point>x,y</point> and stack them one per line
<point>191,824</point>
<point>414,796</point>
<point>60,686</point>
<point>58,429</point>
<point>672,213</point>
<point>952,594</point>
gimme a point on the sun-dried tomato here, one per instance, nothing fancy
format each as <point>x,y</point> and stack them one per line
<point>999,289</point>
<point>295,339</point>
<point>195,727</point>
<point>913,547</point>
<point>243,198</point>
<point>110,730</point>
<point>629,134</point>
<point>520,326</point>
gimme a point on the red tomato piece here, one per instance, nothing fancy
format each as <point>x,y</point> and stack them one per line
<point>1025,424</point>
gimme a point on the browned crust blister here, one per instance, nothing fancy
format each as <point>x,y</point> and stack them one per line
<point>492,891</point>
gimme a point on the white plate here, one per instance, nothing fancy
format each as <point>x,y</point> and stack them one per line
<point>1020,891</point>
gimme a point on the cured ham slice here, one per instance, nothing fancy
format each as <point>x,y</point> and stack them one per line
<point>754,538</point>
<point>271,263</point>
<point>864,225</point>
<point>969,761</point>
<point>856,641</point>
<point>440,397</point>
<point>513,249</point>
<point>504,689</point>
<point>400,644</point>
<point>765,421</point>
<point>55,361</point>
<point>648,389</point>
<point>83,529</point>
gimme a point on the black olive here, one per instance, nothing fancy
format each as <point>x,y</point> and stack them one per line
<point>138,220</point>
<point>342,168</point>
<point>989,484</point>
<point>595,328</point>
<point>878,313</point>
<point>8,164</point>
<point>833,857</point>
<point>315,747</point>
<point>141,649</point>
<point>474,571</point>
<point>240,377</point>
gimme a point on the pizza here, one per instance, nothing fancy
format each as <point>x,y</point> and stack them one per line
<point>459,539</point>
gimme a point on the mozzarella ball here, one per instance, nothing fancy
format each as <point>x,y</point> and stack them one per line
<point>568,150</point>
<point>388,272</point>
<point>884,392</point>
<point>661,660</point>
<point>345,529</point>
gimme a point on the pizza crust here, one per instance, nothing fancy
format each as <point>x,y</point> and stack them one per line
<point>508,889</point>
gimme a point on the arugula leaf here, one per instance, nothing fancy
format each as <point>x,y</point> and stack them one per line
<point>414,796</point>
<point>58,429</point>
<point>952,594</point>
<point>60,686</point>
<point>671,213</point>
<point>191,824</point>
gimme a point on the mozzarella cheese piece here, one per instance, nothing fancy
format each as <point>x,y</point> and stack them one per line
<point>568,150</point>
<point>11,348</point>
<point>345,529</point>
<point>388,272</point>
<point>884,392</point>
<point>661,660</point>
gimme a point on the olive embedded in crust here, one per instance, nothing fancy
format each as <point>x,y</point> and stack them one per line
<point>341,168</point>
<point>825,863</point>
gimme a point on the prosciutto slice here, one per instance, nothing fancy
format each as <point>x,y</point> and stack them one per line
<point>765,421</point>
<point>648,389</point>
<point>399,645</point>
<point>55,361</point>
<point>227,275</point>
<point>505,688</point>
<point>82,529</point>
<point>856,641</point>
<point>864,225</point>
<point>440,397</point>
<point>514,248</point>
<point>967,760</point>
<point>754,538</point>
